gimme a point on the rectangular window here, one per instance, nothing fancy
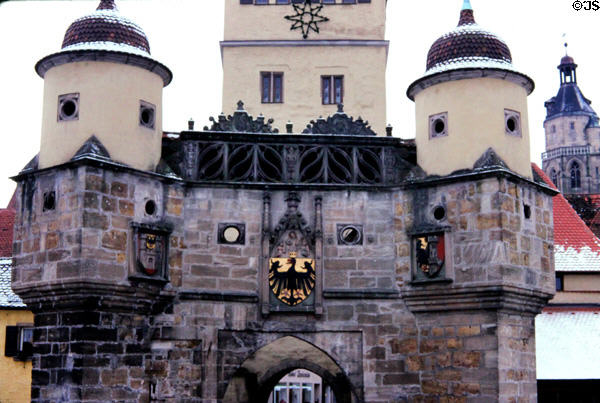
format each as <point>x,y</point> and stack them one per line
<point>19,341</point>
<point>282,2</point>
<point>246,1</point>
<point>328,1</point>
<point>559,282</point>
<point>271,87</point>
<point>349,1</point>
<point>332,90</point>
<point>262,1</point>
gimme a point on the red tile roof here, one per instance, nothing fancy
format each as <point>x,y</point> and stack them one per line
<point>7,222</point>
<point>576,248</point>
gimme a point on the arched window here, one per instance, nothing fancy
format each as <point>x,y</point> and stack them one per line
<point>554,177</point>
<point>575,175</point>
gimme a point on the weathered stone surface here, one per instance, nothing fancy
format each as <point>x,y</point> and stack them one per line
<point>210,318</point>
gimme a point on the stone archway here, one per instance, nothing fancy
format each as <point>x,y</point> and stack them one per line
<point>259,373</point>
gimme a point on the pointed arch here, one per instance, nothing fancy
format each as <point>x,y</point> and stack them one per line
<point>256,377</point>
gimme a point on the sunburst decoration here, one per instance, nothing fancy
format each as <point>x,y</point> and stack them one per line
<point>307,17</point>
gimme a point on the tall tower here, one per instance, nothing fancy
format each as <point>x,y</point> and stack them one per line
<point>334,53</point>
<point>572,158</point>
<point>471,99</point>
<point>103,83</point>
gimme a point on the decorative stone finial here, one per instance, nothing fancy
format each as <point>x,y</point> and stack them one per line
<point>241,122</point>
<point>107,5</point>
<point>466,14</point>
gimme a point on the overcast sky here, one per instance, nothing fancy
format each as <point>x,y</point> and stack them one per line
<point>185,34</point>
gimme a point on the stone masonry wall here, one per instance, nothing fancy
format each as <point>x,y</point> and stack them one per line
<point>100,336</point>
<point>476,333</point>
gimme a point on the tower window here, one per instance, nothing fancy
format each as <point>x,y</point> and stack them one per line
<point>271,87</point>
<point>512,123</point>
<point>572,125</point>
<point>147,114</point>
<point>68,107</point>
<point>575,176</point>
<point>553,129</point>
<point>438,125</point>
<point>332,90</point>
<point>554,177</point>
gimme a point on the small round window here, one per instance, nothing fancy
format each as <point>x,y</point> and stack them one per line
<point>513,122</point>
<point>350,234</point>
<point>231,234</point>
<point>439,213</point>
<point>439,126</point>
<point>68,107</point>
<point>147,115</point>
<point>150,207</point>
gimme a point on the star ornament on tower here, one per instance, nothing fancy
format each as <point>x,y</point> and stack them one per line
<point>307,17</point>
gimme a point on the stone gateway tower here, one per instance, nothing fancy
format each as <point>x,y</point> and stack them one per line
<point>204,266</point>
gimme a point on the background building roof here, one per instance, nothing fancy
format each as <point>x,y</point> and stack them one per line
<point>567,344</point>
<point>576,248</point>
<point>8,299</point>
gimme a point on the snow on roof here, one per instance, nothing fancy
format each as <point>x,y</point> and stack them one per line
<point>110,46</point>
<point>8,299</point>
<point>103,28</point>
<point>471,63</point>
<point>567,344</point>
<point>576,248</point>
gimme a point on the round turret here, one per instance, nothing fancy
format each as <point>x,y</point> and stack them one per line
<point>103,83</point>
<point>471,99</point>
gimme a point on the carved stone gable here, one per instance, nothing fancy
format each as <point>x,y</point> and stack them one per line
<point>241,122</point>
<point>340,124</point>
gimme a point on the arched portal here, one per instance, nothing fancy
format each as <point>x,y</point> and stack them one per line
<point>255,379</point>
